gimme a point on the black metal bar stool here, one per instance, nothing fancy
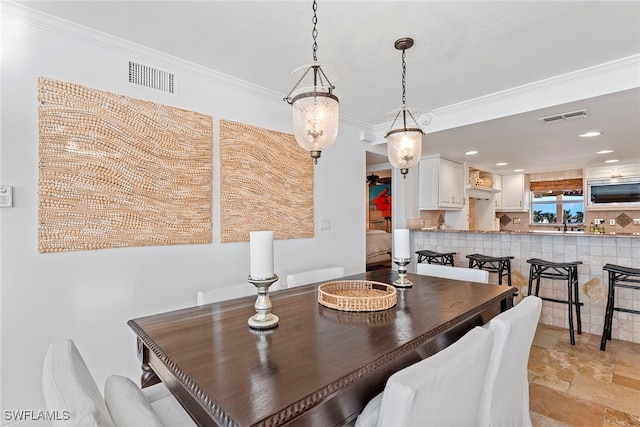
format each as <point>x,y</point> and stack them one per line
<point>442,258</point>
<point>622,277</point>
<point>559,271</point>
<point>494,264</point>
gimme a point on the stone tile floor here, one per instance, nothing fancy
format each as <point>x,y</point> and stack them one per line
<point>581,385</point>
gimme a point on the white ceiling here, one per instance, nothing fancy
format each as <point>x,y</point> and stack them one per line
<point>462,51</point>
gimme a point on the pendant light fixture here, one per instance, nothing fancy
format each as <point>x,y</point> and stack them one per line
<point>404,140</point>
<point>315,105</point>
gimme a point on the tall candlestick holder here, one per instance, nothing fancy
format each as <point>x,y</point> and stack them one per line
<point>263,319</point>
<point>402,281</point>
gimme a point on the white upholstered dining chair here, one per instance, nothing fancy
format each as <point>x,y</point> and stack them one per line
<point>312,276</point>
<point>68,385</point>
<point>230,292</point>
<point>506,390</point>
<point>441,390</point>
<point>457,273</point>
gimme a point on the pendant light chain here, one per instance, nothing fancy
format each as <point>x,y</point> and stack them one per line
<point>404,77</point>
<point>404,89</point>
<point>319,77</point>
<point>314,33</point>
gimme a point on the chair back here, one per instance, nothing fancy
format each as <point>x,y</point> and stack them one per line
<point>152,406</point>
<point>506,391</point>
<point>313,276</point>
<point>457,273</point>
<point>68,385</point>
<point>231,292</point>
<point>441,390</point>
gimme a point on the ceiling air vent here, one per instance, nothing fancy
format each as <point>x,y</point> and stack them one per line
<point>152,78</point>
<point>565,116</point>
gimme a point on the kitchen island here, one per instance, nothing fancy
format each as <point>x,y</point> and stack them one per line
<point>594,250</point>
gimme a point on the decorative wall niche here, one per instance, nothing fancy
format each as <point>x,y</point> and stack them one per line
<point>118,172</point>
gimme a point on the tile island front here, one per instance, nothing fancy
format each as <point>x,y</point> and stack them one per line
<point>594,250</point>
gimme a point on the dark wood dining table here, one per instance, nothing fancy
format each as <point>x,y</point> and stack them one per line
<point>319,366</point>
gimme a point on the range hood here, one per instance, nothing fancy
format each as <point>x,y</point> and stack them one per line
<point>483,193</point>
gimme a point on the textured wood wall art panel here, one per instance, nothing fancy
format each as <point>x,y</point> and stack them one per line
<point>266,184</point>
<point>117,172</point>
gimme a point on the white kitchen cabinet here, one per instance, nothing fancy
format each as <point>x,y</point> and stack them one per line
<point>612,171</point>
<point>497,198</point>
<point>441,184</point>
<point>457,178</point>
<point>514,194</point>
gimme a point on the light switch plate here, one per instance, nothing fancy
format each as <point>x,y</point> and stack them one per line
<point>6,196</point>
<point>612,222</point>
<point>636,221</point>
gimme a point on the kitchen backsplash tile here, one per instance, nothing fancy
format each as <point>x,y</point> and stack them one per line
<point>623,221</point>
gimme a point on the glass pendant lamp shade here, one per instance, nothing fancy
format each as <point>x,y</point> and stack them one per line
<point>404,148</point>
<point>315,118</point>
<point>404,140</point>
<point>315,105</point>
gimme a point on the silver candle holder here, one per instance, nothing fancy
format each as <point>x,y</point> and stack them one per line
<point>402,281</point>
<point>263,319</point>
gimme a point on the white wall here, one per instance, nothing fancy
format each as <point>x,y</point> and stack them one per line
<point>89,296</point>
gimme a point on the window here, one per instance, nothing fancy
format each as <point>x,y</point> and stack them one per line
<point>557,202</point>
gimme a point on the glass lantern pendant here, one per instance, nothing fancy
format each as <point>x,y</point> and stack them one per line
<point>404,147</point>
<point>404,143</point>
<point>315,107</point>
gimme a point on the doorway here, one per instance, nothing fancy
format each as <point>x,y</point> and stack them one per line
<point>379,219</point>
<point>379,201</point>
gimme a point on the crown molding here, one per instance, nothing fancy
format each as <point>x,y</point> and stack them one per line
<point>556,82</point>
<point>44,21</point>
<point>613,76</point>
<point>72,30</point>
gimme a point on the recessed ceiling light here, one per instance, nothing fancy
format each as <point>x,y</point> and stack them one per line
<point>611,161</point>
<point>518,170</point>
<point>502,164</point>
<point>604,152</point>
<point>591,134</point>
<point>471,153</point>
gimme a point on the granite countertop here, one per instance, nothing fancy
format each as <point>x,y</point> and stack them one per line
<point>537,232</point>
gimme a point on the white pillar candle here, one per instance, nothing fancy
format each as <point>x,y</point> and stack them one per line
<point>401,243</point>
<point>261,254</point>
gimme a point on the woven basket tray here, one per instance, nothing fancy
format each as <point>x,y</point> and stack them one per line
<point>357,295</point>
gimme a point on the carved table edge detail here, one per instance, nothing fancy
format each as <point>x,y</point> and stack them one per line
<point>214,408</point>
